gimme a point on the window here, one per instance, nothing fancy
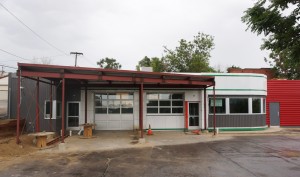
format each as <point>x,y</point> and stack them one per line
<point>238,105</point>
<point>114,103</point>
<point>47,109</point>
<point>164,103</point>
<point>220,105</point>
<point>3,102</point>
<point>256,105</point>
<point>56,109</point>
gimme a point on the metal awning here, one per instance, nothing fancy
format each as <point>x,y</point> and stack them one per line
<point>99,76</point>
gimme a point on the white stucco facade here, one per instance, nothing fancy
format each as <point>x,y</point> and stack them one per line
<point>227,84</point>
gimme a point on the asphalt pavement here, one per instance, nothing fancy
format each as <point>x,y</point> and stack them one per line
<point>255,155</point>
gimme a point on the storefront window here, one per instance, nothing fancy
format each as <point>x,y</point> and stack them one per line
<point>238,105</point>
<point>256,105</point>
<point>220,105</point>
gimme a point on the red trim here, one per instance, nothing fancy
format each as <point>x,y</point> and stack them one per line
<point>27,65</point>
<point>186,115</point>
<point>98,74</point>
<point>41,74</point>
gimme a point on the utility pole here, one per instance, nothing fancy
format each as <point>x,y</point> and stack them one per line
<point>76,53</point>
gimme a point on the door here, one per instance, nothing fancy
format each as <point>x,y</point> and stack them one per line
<point>193,115</point>
<point>72,114</point>
<point>274,114</point>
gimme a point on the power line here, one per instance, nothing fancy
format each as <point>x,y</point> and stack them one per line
<point>8,66</point>
<point>14,55</point>
<point>36,34</point>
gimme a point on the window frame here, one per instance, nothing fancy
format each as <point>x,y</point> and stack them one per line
<point>260,105</point>
<point>211,98</point>
<point>115,99</point>
<point>248,112</point>
<point>54,109</point>
<point>159,100</point>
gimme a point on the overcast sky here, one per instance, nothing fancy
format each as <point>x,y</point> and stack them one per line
<point>126,30</point>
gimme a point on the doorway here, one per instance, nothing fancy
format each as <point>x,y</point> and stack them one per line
<point>274,114</point>
<point>193,115</point>
<point>72,114</point>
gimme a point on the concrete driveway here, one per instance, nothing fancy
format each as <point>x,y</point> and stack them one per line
<point>224,155</point>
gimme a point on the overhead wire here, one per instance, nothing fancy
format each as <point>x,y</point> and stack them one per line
<point>14,55</point>
<point>35,33</point>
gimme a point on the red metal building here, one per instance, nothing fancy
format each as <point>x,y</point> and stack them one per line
<point>283,103</point>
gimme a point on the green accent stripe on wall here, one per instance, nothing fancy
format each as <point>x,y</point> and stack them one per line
<point>166,129</point>
<point>238,89</point>
<point>240,129</point>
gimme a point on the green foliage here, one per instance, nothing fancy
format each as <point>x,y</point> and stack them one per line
<point>190,56</point>
<point>109,63</point>
<point>278,20</point>
<point>156,63</point>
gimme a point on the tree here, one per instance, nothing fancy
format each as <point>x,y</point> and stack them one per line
<point>42,60</point>
<point>190,56</point>
<point>156,63</point>
<point>278,20</point>
<point>109,63</point>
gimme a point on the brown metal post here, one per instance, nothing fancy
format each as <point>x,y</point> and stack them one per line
<point>141,102</point>
<point>37,107</point>
<point>85,105</point>
<point>18,106</point>
<point>205,108</point>
<point>214,90</point>
<point>63,112</point>
<point>51,106</point>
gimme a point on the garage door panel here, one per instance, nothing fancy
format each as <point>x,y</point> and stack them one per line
<point>127,125</point>
<point>113,125</point>
<point>127,117</point>
<point>101,117</point>
<point>101,125</point>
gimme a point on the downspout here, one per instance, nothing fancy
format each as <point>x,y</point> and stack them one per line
<point>141,102</point>
<point>85,106</point>
<point>51,106</point>
<point>214,90</point>
<point>63,111</point>
<point>205,116</point>
<point>37,105</point>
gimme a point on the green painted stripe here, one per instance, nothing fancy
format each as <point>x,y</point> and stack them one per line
<point>238,89</point>
<point>231,75</point>
<point>240,129</point>
<point>166,129</point>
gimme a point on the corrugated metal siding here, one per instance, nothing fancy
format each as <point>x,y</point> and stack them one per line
<point>251,120</point>
<point>28,103</point>
<point>287,94</point>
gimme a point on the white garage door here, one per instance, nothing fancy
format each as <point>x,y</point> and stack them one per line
<point>114,111</point>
